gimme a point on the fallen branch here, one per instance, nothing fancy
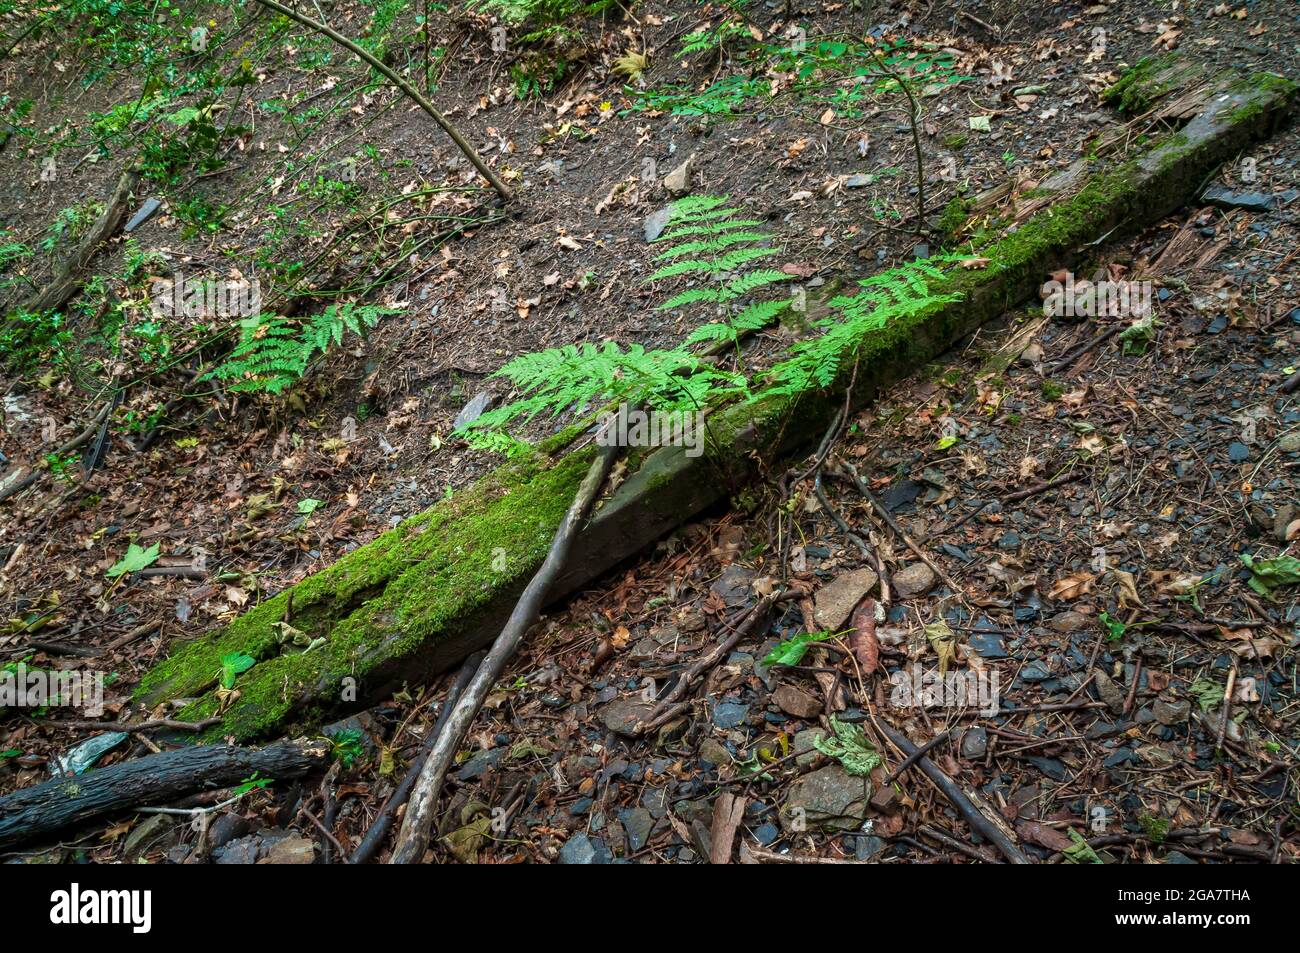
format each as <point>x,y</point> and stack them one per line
<point>152,725</point>
<point>67,277</point>
<point>974,816</point>
<point>414,835</point>
<point>10,486</point>
<point>502,189</point>
<point>62,802</point>
<point>743,626</point>
<point>888,519</point>
<point>383,821</point>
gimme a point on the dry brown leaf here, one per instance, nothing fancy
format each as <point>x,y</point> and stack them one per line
<point>1072,586</point>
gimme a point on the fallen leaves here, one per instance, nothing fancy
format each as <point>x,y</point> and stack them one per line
<point>1071,587</point>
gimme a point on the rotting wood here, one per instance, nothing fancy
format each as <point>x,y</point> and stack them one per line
<point>69,276</point>
<point>34,812</point>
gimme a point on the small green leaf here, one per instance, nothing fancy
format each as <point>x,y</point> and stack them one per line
<point>1267,574</point>
<point>792,650</point>
<point>309,506</point>
<point>135,560</point>
<point>233,665</point>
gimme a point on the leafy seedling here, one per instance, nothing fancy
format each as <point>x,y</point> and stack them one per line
<point>233,665</point>
<point>252,783</point>
<point>346,746</point>
<point>1114,627</point>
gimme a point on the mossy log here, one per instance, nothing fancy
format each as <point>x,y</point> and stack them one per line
<point>63,802</point>
<point>441,584</point>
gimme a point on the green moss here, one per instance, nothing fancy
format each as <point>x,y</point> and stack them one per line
<point>384,608</point>
<point>381,602</point>
<point>1137,90</point>
<point>953,220</point>
<point>1262,90</point>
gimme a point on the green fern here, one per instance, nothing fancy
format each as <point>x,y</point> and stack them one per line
<point>579,377</point>
<point>894,295</point>
<point>720,245</point>
<point>274,352</point>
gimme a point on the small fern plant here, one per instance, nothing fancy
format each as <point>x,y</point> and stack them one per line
<point>894,295</point>
<point>585,376</point>
<point>274,352</point>
<point>713,243</point>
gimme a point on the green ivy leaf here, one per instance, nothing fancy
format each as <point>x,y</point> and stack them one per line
<point>309,506</point>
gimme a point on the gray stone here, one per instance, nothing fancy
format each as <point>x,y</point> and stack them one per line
<point>479,763</point>
<point>836,600</point>
<point>579,849</point>
<point>713,751</point>
<point>1071,622</point>
<point>622,715</point>
<point>795,702</point>
<point>1238,452</point>
<point>1289,442</point>
<point>974,743</point>
<point>226,828</point>
<point>1036,671</point>
<point>988,644</point>
<point>729,714</point>
<point>733,586</point>
<point>657,222</point>
<point>678,181</point>
<point>868,847</point>
<point>147,211</point>
<point>1226,198</point>
<point>473,410</point>
<point>1172,713</point>
<point>806,753</point>
<point>1109,692</point>
<point>829,798</point>
<point>638,824</point>
<point>294,849</point>
<point>914,580</point>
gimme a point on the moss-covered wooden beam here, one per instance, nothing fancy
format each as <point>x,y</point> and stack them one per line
<point>439,585</point>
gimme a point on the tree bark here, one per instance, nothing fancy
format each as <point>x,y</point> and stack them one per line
<point>62,802</point>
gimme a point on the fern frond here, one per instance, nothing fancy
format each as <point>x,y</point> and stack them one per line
<point>895,295</point>
<point>718,265</point>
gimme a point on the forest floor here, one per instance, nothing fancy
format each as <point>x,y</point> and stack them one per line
<point>1112,611</point>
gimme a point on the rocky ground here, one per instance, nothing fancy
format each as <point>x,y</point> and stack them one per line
<point>1112,609</point>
